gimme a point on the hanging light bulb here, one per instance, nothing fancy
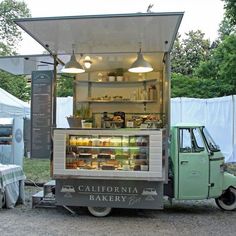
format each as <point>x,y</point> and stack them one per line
<point>73,66</point>
<point>140,65</point>
<point>87,62</point>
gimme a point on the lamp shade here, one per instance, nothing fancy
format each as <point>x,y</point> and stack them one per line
<point>87,62</point>
<point>140,65</point>
<point>73,66</point>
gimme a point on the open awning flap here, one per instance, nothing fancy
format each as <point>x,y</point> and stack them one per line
<point>112,40</point>
<point>105,33</point>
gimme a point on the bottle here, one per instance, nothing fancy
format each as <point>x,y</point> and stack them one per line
<point>152,92</point>
<point>105,121</point>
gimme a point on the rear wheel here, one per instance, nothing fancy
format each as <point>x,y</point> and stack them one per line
<point>3,200</point>
<point>99,211</point>
<point>227,201</point>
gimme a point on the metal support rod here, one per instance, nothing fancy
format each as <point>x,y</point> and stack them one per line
<point>70,210</point>
<point>54,93</point>
<point>75,106</point>
<point>54,109</point>
<point>167,104</point>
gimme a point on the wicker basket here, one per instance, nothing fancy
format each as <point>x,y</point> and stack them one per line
<point>74,122</point>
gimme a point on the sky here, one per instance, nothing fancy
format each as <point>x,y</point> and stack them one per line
<point>205,15</point>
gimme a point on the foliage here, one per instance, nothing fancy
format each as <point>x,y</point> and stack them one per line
<point>15,85</point>
<point>83,112</point>
<point>10,34</point>
<point>177,56</point>
<point>37,170</point>
<point>222,66</point>
<point>230,10</point>
<point>188,53</point>
<point>186,86</point>
<point>226,28</point>
<point>65,86</point>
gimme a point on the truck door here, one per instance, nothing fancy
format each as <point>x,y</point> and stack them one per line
<point>193,165</point>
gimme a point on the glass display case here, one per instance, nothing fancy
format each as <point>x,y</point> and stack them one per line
<point>107,152</point>
<point>127,154</point>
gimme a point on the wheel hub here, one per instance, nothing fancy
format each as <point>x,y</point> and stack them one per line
<point>228,198</point>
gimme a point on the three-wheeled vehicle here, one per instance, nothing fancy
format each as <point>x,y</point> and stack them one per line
<point>126,161</point>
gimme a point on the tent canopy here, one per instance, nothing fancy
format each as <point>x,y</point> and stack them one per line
<point>11,106</point>
<point>25,64</point>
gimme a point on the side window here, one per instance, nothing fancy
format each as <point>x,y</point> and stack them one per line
<point>198,145</point>
<point>185,140</point>
<point>190,140</point>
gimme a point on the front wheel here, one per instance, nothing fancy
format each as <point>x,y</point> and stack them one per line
<point>227,201</point>
<point>99,211</point>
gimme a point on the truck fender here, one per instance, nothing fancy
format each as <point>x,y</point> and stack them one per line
<point>229,180</point>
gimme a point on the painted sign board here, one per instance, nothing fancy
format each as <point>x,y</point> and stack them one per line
<point>41,114</point>
<point>110,193</point>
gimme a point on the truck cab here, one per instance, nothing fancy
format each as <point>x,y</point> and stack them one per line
<point>197,167</point>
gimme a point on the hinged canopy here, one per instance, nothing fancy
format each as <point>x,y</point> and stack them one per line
<point>96,34</point>
<point>112,41</point>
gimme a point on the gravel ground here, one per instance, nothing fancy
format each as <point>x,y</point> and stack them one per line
<point>180,218</point>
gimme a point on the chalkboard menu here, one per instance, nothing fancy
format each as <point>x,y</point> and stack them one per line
<point>41,113</point>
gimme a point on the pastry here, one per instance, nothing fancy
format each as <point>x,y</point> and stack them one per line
<point>115,163</point>
<point>104,156</point>
<point>108,167</point>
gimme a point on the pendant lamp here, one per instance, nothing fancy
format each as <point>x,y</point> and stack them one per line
<point>73,66</point>
<point>140,65</point>
<point>87,62</point>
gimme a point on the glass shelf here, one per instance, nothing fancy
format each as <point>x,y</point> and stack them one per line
<point>118,101</point>
<point>109,147</point>
<point>115,82</point>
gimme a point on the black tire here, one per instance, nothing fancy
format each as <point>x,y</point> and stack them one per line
<point>99,211</point>
<point>227,201</point>
<point>3,200</point>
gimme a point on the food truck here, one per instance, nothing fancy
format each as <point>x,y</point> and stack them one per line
<point>120,151</point>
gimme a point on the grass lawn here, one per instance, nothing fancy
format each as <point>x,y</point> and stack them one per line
<point>231,168</point>
<point>37,170</point>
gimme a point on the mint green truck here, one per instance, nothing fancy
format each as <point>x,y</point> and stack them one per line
<point>197,168</point>
<point>191,168</point>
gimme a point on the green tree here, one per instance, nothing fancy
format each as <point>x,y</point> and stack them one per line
<point>221,66</point>
<point>65,86</point>
<point>188,53</point>
<point>10,34</point>
<point>16,85</point>
<point>226,28</point>
<point>177,56</point>
<point>230,10</point>
<point>186,86</point>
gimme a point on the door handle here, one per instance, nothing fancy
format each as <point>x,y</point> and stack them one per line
<point>183,162</point>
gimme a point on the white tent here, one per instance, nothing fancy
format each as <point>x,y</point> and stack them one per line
<point>10,106</point>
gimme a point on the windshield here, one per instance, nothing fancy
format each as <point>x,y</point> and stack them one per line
<point>210,142</point>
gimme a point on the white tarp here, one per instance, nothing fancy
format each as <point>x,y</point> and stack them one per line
<point>217,114</point>
<point>10,106</point>
<point>64,109</point>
